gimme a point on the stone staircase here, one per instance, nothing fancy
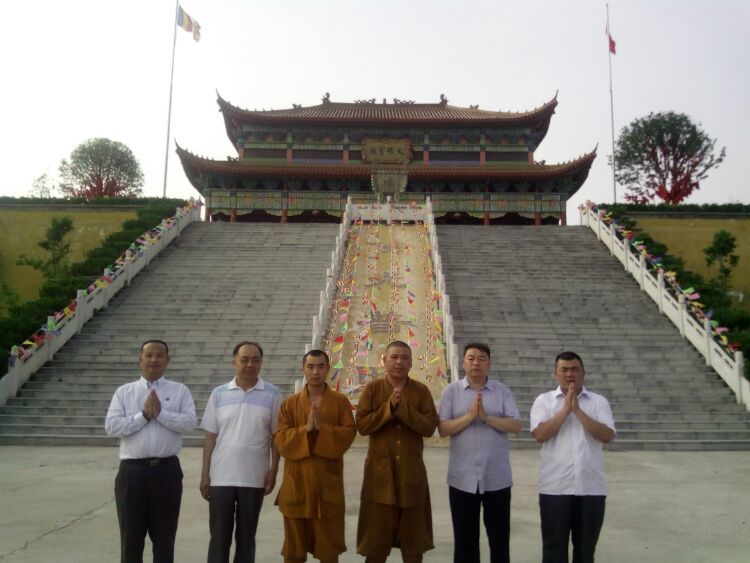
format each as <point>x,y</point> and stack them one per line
<point>532,292</point>
<point>215,285</point>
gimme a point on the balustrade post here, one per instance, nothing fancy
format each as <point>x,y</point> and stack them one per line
<point>130,257</point>
<point>147,253</point>
<point>739,366</point>
<point>611,240</point>
<point>662,290</point>
<point>48,341</point>
<point>81,310</point>
<point>708,339</point>
<point>683,313</point>
<point>641,270</point>
<point>626,261</point>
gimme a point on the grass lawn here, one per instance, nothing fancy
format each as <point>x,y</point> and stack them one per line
<point>21,230</point>
<point>687,237</point>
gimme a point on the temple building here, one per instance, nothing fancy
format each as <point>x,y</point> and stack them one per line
<point>301,164</point>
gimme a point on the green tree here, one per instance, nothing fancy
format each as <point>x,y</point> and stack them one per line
<point>8,297</point>
<point>101,168</point>
<point>664,156</point>
<point>42,187</point>
<point>720,252</point>
<point>55,265</point>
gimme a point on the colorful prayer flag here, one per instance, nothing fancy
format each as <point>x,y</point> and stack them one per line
<point>187,23</point>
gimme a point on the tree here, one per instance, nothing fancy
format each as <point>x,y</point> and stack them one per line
<point>42,187</point>
<point>101,168</point>
<point>665,156</point>
<point>56,265</point>
<point>720,251</point>
<point>8,297</point>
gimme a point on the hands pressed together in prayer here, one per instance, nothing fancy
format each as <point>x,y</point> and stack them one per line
<point>313,419</point>
<point>571,401</point>
<point>152,406</point>
<point>395,399</point>
<point>477,409</point>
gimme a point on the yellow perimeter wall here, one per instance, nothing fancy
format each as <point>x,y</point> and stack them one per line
<point>686,237</point>
<point>22,228</point>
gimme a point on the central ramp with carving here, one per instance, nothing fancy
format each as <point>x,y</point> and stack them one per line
<point>386,290</point>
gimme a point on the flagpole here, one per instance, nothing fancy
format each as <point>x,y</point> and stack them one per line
<point>611,112</point>
<point>169,111</point>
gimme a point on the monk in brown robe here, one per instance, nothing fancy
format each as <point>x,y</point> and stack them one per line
<point>396,412</point>
<point>315,429</point>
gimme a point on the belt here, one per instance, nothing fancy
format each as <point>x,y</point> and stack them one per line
<point>151,461</point>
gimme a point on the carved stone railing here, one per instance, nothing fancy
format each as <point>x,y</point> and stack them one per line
<point>727,363</point>
<point>39,348</point>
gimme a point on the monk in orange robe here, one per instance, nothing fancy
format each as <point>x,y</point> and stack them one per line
<point>396,412</point>
<point>315,429</point>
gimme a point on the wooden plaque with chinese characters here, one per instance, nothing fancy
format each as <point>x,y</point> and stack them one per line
<point>386,151</point>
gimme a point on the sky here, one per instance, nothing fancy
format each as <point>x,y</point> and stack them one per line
<point>81,69</point>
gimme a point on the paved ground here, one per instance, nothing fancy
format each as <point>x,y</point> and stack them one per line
<point>56,505</point>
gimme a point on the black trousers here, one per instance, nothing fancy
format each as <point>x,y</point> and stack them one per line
<point>569,516</point>
<point>148,493</point>
<point>465,509</point>
<point>225,505</point>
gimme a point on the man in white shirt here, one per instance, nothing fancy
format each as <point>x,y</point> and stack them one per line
<point>240,461</point>
<point>572,423</point>
<point>149,416</point>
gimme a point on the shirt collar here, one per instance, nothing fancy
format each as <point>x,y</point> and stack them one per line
<point>464,381</point>
<point>152,385</point>
<point>559,393</point>
<point>307,391</point>
<point>259,385</point>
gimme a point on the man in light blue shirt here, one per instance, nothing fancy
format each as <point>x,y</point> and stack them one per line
<point>477,413</point>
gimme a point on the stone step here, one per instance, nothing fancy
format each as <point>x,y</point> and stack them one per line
<point>543,290</point>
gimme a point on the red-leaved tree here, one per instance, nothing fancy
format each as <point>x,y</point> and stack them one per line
<point>663,156</point>
<point>101,168</point>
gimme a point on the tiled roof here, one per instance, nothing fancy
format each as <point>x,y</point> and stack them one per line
<point>380,113</point>
<point>194,164</point>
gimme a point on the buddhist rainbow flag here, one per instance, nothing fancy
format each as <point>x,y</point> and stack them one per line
<point>187,23</point>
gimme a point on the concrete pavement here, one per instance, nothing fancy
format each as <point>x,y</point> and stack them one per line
<point>57,505</point>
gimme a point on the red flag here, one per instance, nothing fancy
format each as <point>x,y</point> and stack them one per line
<point>612,44</point>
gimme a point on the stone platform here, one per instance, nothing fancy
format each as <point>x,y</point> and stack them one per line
<point>663,507</point>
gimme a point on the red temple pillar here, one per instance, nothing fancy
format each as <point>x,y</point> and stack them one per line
<point>563,219</point>
<point>537,218</point>
<point>233,215</point>
<point>486,217</point>
<point>482,157</point>
<point>531,157</point>
<point>284,216</point>
<point>289,155</point>
<point>346,154</point>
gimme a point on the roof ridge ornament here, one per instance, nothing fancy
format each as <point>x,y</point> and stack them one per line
<point>368,101</point>
<point>398,101</point>
<point>443,100</point>
<point>327,98</point>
